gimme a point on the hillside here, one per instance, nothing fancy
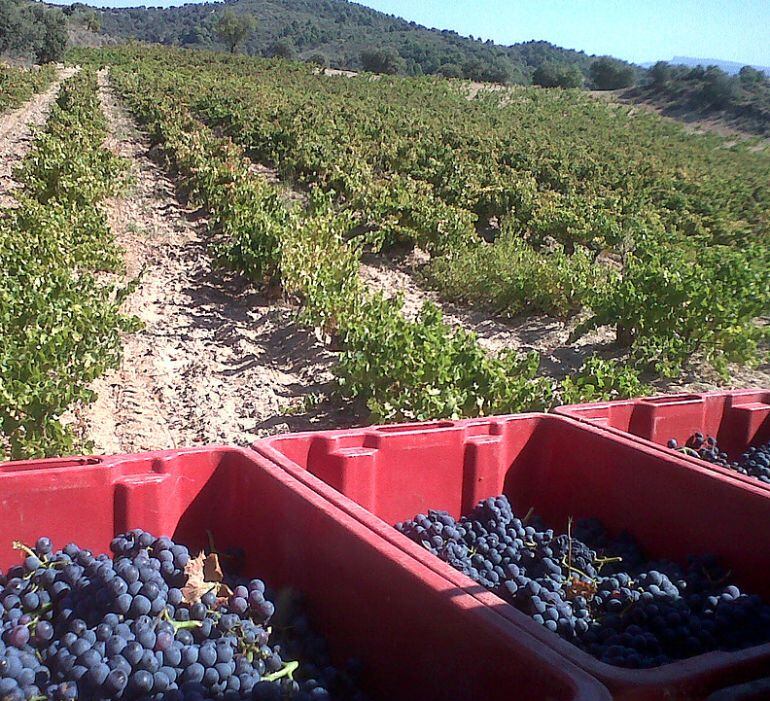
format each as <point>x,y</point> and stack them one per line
<point>339,31</point>
<point>739,101</point>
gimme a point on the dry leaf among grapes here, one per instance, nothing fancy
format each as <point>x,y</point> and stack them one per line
<point>204,574</point>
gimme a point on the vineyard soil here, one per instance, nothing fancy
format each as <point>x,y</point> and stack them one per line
<point>242,240</point>
<point>211,364</point>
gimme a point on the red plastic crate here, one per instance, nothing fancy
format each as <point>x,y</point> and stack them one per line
<point>418,636</point>
<point>736,418</point>
<point>561,468</point>
<point>758,690</point>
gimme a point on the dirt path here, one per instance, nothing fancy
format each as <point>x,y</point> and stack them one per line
<point>211,365</point>
<point>17,131</point>
<point>546,335</point>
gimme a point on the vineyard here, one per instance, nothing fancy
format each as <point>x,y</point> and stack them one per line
<point>644,246</point>
<point>18,85</point>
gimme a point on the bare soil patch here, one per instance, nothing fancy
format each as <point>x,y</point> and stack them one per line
<point>693,122</point>
<point>215,362</point>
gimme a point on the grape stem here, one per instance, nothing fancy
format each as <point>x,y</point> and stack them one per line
<point>213,548</point>
<point>43,609</point>
<point>571,568</point>
<point>185,625</point>
<point>602,561</point>
<point>179,625</point>
<point>18,545</point>
<point>287,671</point>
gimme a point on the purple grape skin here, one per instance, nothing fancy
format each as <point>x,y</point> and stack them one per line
<point>86,616</point>
<point>18,636</point>
<point>163,641</point>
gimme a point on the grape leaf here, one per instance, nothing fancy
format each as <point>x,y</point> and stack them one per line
<point>204,574</point>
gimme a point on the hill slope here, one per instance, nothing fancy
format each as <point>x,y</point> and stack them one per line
<point>340,30</point>
<point>740,101</point>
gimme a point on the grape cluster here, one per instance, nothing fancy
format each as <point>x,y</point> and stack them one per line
<point>754,462</point>
<point>598,592</point>
<point>80,626</point>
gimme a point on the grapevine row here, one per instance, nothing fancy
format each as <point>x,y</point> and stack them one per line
<point>398,367</point>
<point>564,179</point>
<point>59,323</point>
<point>17,85</point>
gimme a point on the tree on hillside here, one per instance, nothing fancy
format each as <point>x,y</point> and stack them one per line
<point>386,61</point>
<point>32,30</point>
<point>233,29</point>
<point>52,28</point>
<point>283,48</point>
<point>660,75</point>
<point>557,75</point>
<point>496,73</point>
<point>318,58</point>
<point>449,70</point>
<point>718,88</point>
<point>10,26</point>
<point>91,20</point>
<point>610,74</point>
<point>750,77</point>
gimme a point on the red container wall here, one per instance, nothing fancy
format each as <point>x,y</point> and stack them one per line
<point>758,690</point>
<point>418,635</point>
<point>737,419</point>
<point>562,469</point>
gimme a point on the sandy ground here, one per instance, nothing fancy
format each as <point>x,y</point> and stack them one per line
<point>215,362</point>
<point>338,72</point>
<point>17,132</point>
<point>548,336</point>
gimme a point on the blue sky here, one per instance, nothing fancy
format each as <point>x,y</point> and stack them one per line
<point>636,30</point>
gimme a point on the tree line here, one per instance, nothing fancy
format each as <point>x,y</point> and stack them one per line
<point>743,98</point>
<point>332,33</point>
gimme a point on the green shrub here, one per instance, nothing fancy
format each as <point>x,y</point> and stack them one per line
<point>510,277</point>
<point>673,303</point>
<point>320,268</point>
<point>17,85</point>
<point>602,380</point>
<point>422,369</point>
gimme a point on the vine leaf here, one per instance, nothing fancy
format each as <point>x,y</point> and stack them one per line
<point>204,574</point>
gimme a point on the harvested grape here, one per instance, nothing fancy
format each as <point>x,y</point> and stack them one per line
<point>753,462</point>
<point>599,592</point>
<point>153,622</point>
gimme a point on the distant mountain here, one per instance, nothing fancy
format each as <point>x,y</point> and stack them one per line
<point>730,67</point>
<point>337,32</point>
